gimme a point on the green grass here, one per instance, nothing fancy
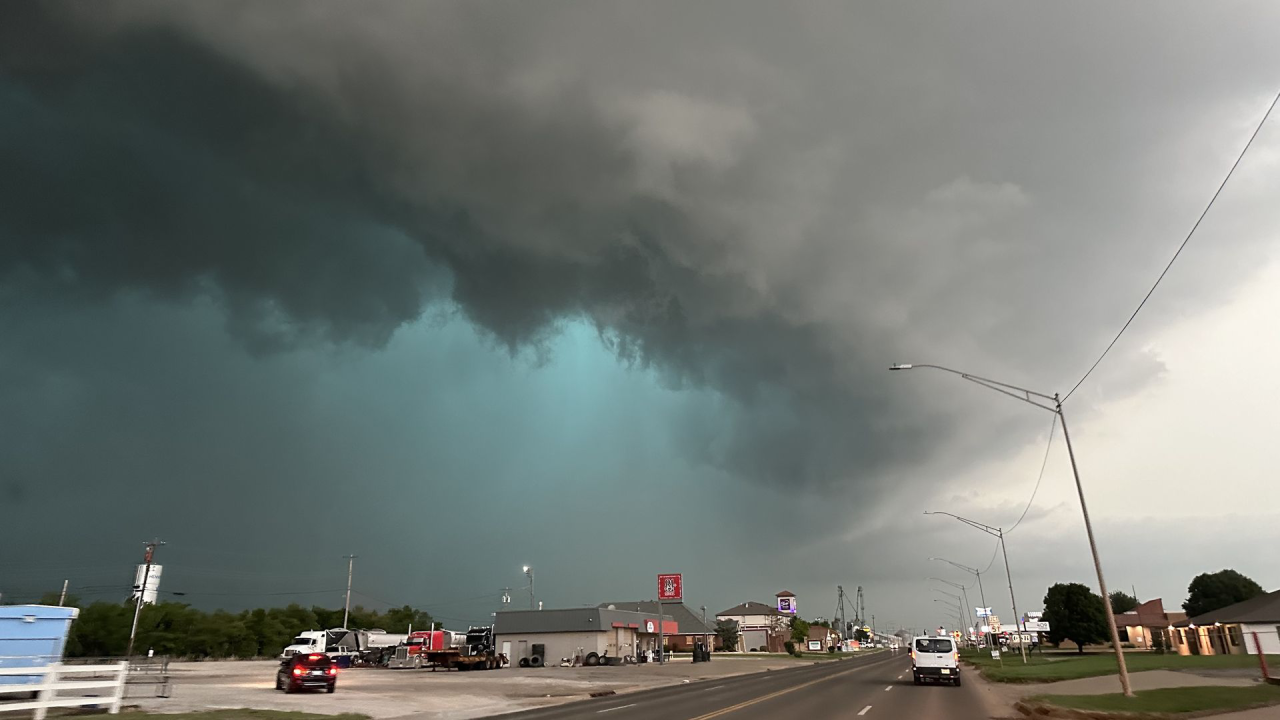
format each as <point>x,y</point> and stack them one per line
<point>241,714</point>
<point>1170,700</point>
<point>1052,667</point>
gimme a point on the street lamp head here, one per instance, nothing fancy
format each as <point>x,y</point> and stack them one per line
<point>900,366</point>
<point>526,568</point>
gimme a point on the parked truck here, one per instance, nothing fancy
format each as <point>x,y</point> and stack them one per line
<point>369,647</point>
<point>473,650</point>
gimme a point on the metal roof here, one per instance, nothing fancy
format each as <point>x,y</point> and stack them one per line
<point>567,620</point>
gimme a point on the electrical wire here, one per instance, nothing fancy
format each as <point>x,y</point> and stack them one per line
<point>1180,248</point>
<point>1053,425</point>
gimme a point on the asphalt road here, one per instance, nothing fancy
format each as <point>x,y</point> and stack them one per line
<point>874,686</point>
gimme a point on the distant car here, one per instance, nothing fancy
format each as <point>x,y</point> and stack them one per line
<point>307,671</point>
<point>935,658</point>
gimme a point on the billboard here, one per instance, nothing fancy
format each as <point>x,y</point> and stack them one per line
<point>787,605</point>
<point>1036,626</point>
<point>670,587</point>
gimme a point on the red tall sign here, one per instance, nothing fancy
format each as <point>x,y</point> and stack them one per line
<point>670,587</point>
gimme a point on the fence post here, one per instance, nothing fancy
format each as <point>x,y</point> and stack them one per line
<point>122,674</point>
<point>1262,658</point>
<point>47,690</point>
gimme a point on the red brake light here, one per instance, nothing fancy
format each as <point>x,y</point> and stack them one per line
<point>333,671</point>
<point>314,656</point>
<point>298,671</point>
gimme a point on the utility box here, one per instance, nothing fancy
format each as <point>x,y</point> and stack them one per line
<point>32,636</point>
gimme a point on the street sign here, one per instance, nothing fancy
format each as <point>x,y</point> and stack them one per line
<point>815,645</point>
<point>983,612</point>
<point>1036,626</point>
<point>995,654</point>
<point>1032,615</point>
<point>670,587</point>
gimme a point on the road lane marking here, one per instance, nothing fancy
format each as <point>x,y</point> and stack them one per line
<point>900,676</point>
<point>784,691</point>
<point>888,688</point>
<point>864,710</point>
<point>717,687</point>
<point>620,707</point>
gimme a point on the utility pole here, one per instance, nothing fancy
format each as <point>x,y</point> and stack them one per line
<point>346,608</point>
<point>142,592</point>
<point>528,571</point>
<point>63,598</point>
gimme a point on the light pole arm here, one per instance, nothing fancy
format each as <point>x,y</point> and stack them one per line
<point>993,531</point>
<point>1013,391</point>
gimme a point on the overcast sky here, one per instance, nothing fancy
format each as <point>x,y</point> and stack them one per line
<point>612,288</point>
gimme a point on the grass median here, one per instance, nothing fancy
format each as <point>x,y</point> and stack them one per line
<point>1169,700</point>
<point>1053,667</point>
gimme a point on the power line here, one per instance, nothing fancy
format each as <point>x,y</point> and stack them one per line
<point>1180,247</point>
<point>1053,425</point>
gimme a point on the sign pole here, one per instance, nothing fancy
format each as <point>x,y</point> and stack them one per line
<point>662,656</point>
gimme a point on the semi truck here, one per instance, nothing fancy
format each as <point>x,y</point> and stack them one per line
<point>370,647</point>
<point>473,650</point>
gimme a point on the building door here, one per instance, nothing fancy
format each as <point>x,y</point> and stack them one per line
<point>506,649</point>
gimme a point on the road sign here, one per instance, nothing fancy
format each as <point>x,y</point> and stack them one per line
<point>670,587</point>
<point>1032,615</point>
<point>995,654</point>
<point>983,612</point>
<point>1036,626</point>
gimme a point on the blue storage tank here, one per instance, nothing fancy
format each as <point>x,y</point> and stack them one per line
<point>32,636</point>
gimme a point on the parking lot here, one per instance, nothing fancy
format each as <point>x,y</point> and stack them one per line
<point>426,695</point>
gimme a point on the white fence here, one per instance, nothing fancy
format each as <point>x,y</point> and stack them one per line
<point>52,683</point>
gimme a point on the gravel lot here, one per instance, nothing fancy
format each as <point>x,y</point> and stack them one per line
<point>426,695</point>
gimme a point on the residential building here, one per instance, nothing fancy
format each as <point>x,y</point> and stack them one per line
<point>691,628</point>
<point>1139,625</point>
<point>825,637</point>
<point>760,626</point>
<point>1244,627</point>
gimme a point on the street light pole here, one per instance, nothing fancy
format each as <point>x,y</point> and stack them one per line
<point>999,533</point>
<point>1026,396</point>
<point>968,617</point>
<point>976,573</point>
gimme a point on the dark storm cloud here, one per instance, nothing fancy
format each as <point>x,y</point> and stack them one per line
<point>141,159</point>
<point>775,216</point>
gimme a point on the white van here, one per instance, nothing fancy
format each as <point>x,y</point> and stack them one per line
<point>935,658</point>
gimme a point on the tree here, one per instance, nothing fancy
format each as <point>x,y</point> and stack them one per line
<point>1075,613</point>
<point>727,631</point>
<point>1122,602</point>
<point>1214,591</point>
<point>799,631</point>
<point>861,635</point>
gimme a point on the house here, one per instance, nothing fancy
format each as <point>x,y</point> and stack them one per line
<point>822,639</point>
<point>1140,625</point>
<point>692,629</point>
<point>1244,627</point>
<point>760,626</point>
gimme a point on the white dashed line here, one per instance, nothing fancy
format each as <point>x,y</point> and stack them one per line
<point>620,707</point>
<point>887,689</point>
<point>864,710</point>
